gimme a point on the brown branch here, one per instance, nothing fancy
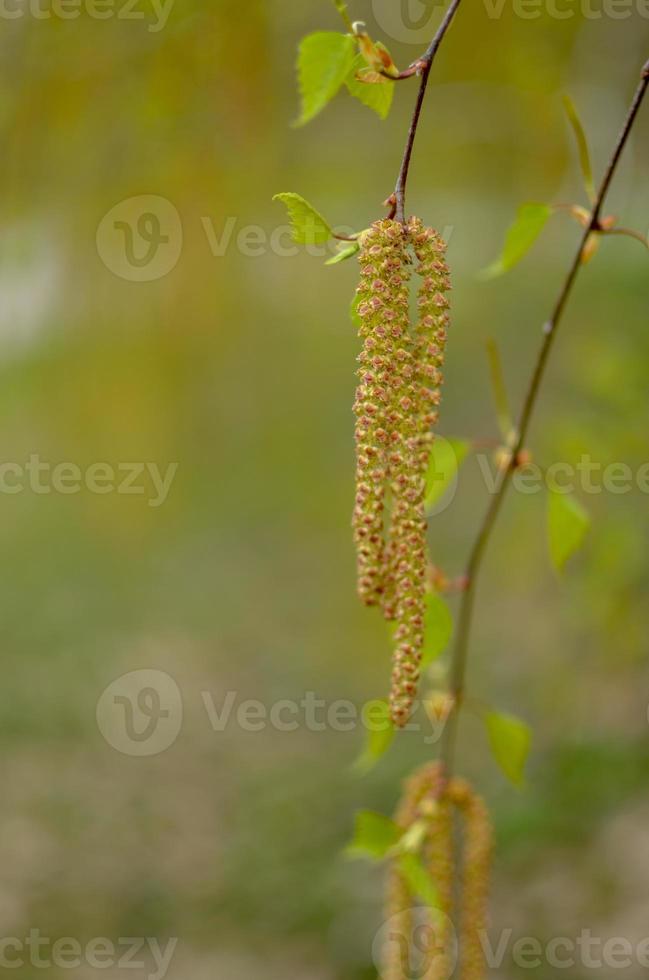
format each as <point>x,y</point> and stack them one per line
<point>422,68</point>
<point>461,649</point>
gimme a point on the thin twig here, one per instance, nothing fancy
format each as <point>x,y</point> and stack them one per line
<point>461,649</point>
<point>421,67</point>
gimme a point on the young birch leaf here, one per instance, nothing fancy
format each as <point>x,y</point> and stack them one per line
<point>510,740</point>
<point>376,96</point>
<point>438,629</point>
<point>568,524</point>
<point>419,880</point>
<point>374,836</point>
<point>308,225</point>
<point>445,460</point>
<point>380,733</point>
<point>345,251</point>
<point>582,145</point>
<point>324,62</point>
<point>530,222</point>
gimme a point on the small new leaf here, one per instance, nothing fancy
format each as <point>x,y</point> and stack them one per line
<point>530,222</point>
<point>438,628</point>
<point>582,145</point>
<point>568,524</point>
<point>308,225</point>
<point>324,62</point>
<point>375,55</point>
<point>379,735</point>
<point>510,740</point>
<point>374,836</point>
<point>345,251</point>
<point>377,96</point>
<point>418,880</point>
<point>445,460</point>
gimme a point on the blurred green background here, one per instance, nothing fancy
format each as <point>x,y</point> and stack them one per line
<point>240,369</point>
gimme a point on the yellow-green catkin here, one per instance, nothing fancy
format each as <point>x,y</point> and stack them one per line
<point>400,375</point>
<point>440,862</point>
<point>476,873</point>
<point>383,314</point>
<point>417,802</point>
<point>415,412</point>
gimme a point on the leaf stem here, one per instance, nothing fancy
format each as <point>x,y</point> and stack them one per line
<point>461,649</point>
<point>422,67</point>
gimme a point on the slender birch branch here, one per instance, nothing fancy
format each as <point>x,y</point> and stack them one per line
<point>461,649</point>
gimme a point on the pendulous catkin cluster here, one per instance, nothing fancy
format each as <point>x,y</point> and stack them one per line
<point>400,376</point>
<point>429,799</point>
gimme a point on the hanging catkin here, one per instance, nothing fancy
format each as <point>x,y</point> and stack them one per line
<point>476,871</point>
<point>383,314</point>
<point>396,405</point>
<point>428,799</point>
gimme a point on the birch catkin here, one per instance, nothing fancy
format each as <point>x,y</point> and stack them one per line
<point>476,871</point>
<point>427,798</point>
<point>383,313</point>
<point>396,406</point>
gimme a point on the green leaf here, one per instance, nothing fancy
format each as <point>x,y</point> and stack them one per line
<point>568,524</point>
<point>324,62</point>
<point>345,251</point>
<point>374,836</point>
<point>379,735</point>
<point>438,628</point>
<point>530,222</point>
<point>446,457</point>
<point>510,740</point>
<point>419,880</point>
<point>582,145</point>
<point>376,96</point>
<point>309,227</point>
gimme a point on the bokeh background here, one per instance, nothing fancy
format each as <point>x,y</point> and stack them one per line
<point>240,369</point>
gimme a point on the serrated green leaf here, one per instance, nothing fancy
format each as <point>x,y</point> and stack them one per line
<point>446,457</point>
<point>530,222</point>
<point>568,524</point>
<point>419,880</point>
<point>376,96</point>
<point>510,740</point>
<point>582,145</point>
<point>324,62</point>
<point>308,225</point>
<point>379,735</point>
<point>345,251</point>
<point>374,836</point>
<point>438,628</point>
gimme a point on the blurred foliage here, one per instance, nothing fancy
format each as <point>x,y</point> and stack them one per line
<point>241,369</point>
